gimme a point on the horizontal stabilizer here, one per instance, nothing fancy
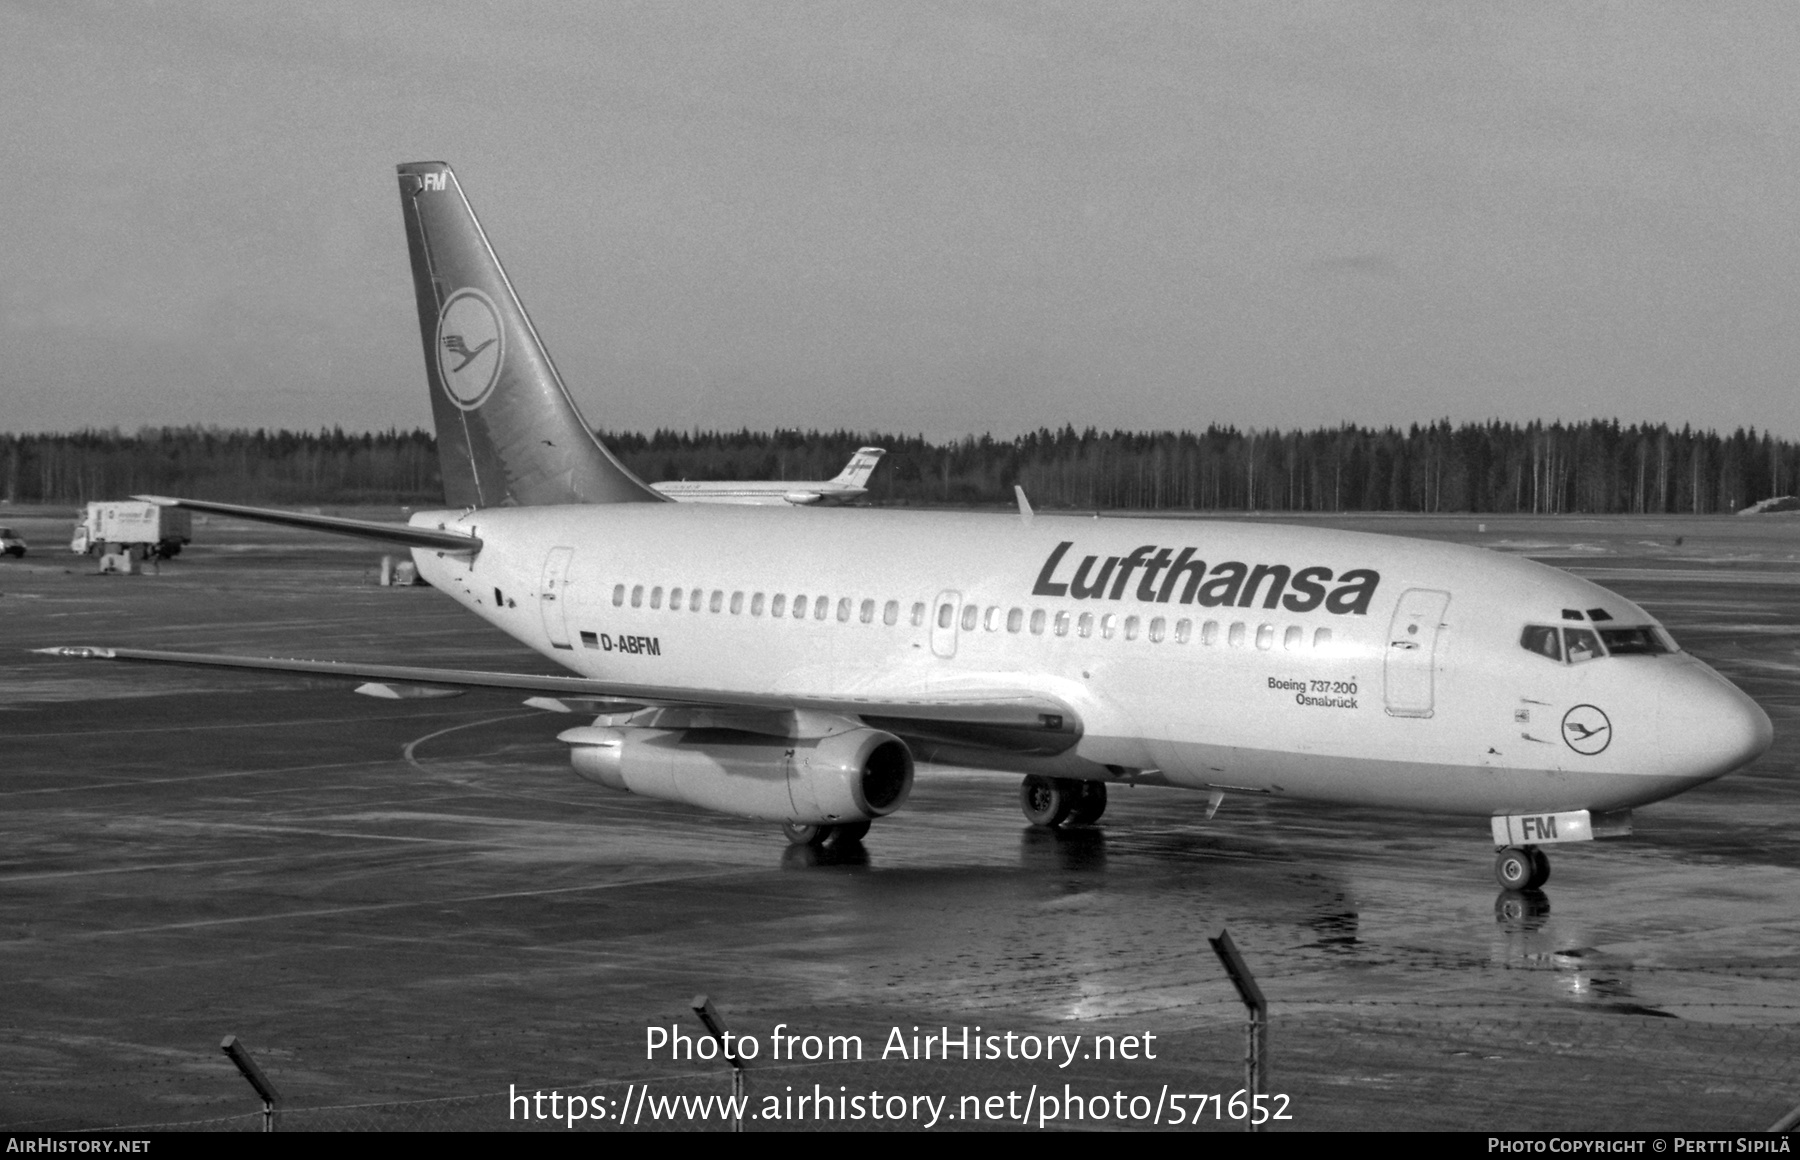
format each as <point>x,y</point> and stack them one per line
<point>1038,722</point>
<point>336,525</point>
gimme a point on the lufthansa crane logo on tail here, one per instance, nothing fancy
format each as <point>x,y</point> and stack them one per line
<point>1586,729</point>
<point>470,348</point>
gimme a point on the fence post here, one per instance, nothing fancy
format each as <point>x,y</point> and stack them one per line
<point>247,1066</point>
<point>1256,1031</point>
<point>704,1009</point>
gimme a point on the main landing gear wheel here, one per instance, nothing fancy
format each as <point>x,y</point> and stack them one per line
<point>807,835</point>
<point>1045,800</point>
<point>1090,803</point>
<point>1521,868</point>
<point>846,834</point>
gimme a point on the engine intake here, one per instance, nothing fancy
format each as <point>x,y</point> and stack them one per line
<point>847,777</point>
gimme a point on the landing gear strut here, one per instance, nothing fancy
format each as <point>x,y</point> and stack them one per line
<point>1521,868</point>
<point>1051,801</point>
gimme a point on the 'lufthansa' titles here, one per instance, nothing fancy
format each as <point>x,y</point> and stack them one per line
<point>1163,575</point>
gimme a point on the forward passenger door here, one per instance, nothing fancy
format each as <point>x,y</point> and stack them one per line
<point>1412,652</point>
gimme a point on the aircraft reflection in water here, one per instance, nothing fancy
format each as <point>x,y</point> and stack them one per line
<point>792,663</point>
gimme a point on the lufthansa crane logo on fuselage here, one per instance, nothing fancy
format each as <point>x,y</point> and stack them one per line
<point>470,348</point>
<point>1586,729</point>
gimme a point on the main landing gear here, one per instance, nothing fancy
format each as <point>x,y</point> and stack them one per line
<point>847,834</point>
<point>1521,868</point>
<point>1053,801</point>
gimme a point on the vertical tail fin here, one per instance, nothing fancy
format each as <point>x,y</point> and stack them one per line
<point>508,432</point>
<point>862,465</point>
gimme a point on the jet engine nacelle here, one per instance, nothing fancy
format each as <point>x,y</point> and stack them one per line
<point>846,777</point>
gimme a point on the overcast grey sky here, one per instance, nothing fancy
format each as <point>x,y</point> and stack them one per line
<point>948,218</point>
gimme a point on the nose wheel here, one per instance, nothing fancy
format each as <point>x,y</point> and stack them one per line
<point>1521,868</point>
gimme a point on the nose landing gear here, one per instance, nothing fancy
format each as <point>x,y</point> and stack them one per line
<point>1521,868</point>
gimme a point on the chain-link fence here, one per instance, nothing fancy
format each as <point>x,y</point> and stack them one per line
<point>1381,1066</point>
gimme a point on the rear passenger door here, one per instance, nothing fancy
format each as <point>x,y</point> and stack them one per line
<point>944,611</point>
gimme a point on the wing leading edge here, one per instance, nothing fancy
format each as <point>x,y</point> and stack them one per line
<point>1023,721</point>
<point>443,541</point>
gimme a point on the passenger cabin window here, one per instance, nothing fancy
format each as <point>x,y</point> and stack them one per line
<point>971,617</point>
<point>1157,625</point>
<point>1015,620</point>
<point>822,608</point>
<point>868,612</point>
<point>1209,633</point>
<point>1184,629</point>
<point>1037,622</point>
<point>618,595</point>
<point>946,615</point>
<point>1321,638</point>
<point>799,608</point>
<point>918,615</point>
<point>656,597</point>
<point>737,603</point>
<point>993,618</point>
<point>1265,636</point>
<point>1084,624</point>
<point>1106,626</point>
<point>1237,634</point>
<point>674,600</point>
<point>1131,627</point>
<point>1061,627</point>
<point>890,612</point>
<point>637,596</point>
<point>718,599</point>
<point>1295,637</point>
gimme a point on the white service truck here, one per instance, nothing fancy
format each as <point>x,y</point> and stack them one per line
<point>141,530</point>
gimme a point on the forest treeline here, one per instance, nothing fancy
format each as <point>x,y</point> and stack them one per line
<point>1596,466</point>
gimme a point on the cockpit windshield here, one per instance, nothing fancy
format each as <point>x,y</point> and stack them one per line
<point>1640,641</point>
<point>1575,645</point>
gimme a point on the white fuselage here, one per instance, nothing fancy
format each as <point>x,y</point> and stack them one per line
<point>1410,690</point>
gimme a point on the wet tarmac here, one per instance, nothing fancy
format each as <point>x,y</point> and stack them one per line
<point>411,900</point>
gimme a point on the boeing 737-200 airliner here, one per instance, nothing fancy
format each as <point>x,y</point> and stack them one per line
<point>791,665</point>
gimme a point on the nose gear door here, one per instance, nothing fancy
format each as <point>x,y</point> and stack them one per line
<point>1412,652</point>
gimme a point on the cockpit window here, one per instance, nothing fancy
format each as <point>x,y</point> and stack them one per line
<point>1582,645</point>
<point>1543,640</point>
<point>1631,642</point>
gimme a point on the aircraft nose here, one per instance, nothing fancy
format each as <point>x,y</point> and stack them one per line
<point>1709,725</point>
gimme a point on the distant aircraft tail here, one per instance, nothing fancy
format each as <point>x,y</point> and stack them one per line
<point>856,473</point>
<point>507,430</point>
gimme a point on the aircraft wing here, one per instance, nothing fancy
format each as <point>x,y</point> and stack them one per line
<point>1022,721</point>
<point>338,525</point>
